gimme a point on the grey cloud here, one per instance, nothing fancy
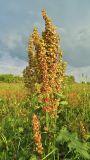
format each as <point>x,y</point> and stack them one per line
<point>76,46</point>
<point>15,45</point>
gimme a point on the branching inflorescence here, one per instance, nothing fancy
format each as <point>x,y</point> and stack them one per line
<point>45,69</point>
<point>45,59</point>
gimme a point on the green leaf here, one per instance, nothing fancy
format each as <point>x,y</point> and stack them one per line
<point>79,147</point>
<point>4,138</point>
<point>74,144</point>
<point>20,129</point>
<point>60,95</point>
<point>64,103</point>
<point>63,135</point>
<point>33,157</point>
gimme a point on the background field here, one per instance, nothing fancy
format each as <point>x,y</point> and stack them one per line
<point>15,118</point>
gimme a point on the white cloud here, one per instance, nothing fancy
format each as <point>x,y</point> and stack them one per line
<point>16,66</point>
<point>10,65</point>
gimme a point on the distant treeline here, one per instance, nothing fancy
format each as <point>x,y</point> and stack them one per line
<point>10,78</point>
<point>70,79</point>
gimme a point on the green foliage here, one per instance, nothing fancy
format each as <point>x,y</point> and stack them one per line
<point>16,137</point>
<point>9,78</point>
<point>15,131</point>
<point>33,157</point>
<point>70,79</point>
<point>75,146</point>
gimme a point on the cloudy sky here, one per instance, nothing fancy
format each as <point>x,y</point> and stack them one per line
<point>72,18</point>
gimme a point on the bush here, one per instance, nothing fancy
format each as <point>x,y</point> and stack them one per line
<point>9,78</point>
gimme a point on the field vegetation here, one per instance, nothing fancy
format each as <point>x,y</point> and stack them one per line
<point>15,120</point>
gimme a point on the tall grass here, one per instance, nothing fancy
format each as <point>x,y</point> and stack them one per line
<point>16,135</point>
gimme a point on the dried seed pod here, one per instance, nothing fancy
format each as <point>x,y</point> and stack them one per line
<point>83,131</point>
<point>54,55</point>
<point>37,134</point>
<point>46,66</point>
<point>41,58</point>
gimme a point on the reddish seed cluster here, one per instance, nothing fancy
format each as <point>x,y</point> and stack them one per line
<point>31,73</point>
<point>48,109</point>
<point>45,59</point>
<point>51,45</point>
<point>37,135</point>
<point>40,50</point>
<point>83,131</point>
<point>53,54</point>
<point>46,99</point>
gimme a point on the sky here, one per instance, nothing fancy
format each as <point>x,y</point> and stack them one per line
<point>72,18</point>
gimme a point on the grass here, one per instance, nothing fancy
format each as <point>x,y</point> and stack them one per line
<point>15,91</point>
<point>13,88</point>
<point>16,136</point>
